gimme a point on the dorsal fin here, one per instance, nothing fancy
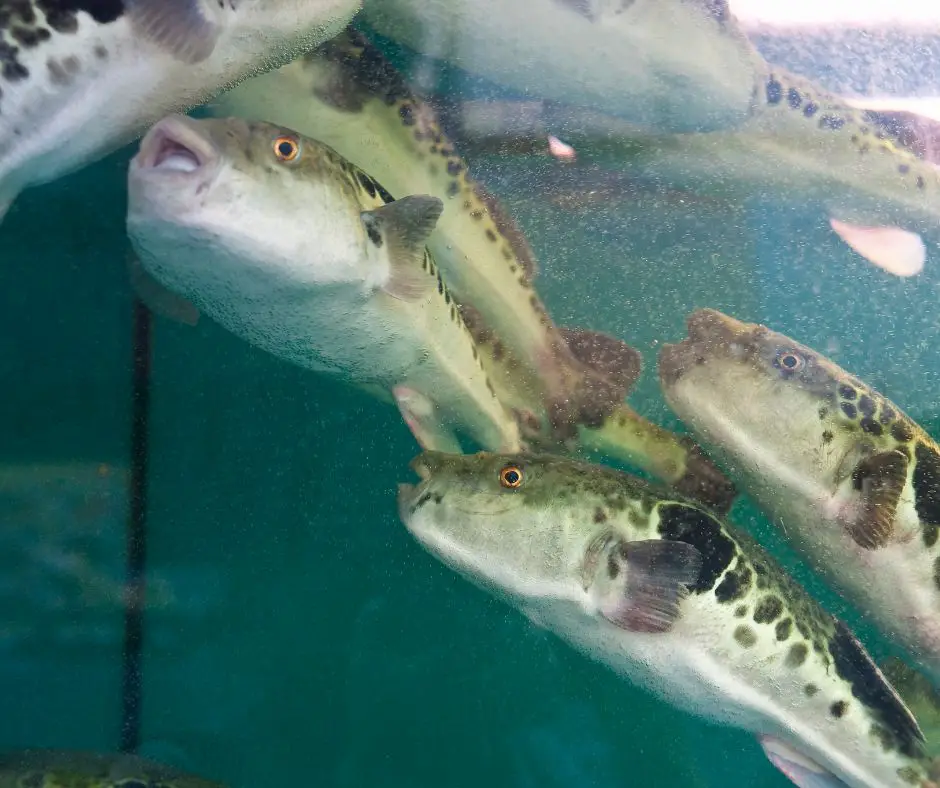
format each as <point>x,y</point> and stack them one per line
<point>917,133</point>
<point>510,231</point>
<point>361,72</point>
<point>607,355</point>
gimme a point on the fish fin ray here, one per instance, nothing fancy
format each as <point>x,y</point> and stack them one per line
<point>177,26</point>
<point>157,298</point>
<point>419,414</point>
<point>404,225</point>
<point>800,770</point>
<point>611,357</point>
<point>880,480</point>
<point>899,252</point>
<point>647,582</point>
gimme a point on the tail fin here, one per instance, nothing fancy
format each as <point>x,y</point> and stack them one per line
<point>674,459</point>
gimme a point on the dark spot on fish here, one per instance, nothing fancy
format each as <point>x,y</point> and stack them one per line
<point>447,296</point>
<point>768,610</point>
<point>810,690</point>
<point>849,410</point>
<point>454,167</point>
<point>936,572</point>
<point>872,427</point>
<point>904,169</point>
<point>838,709</point>
<point>406,113</point>
<point>740,611</point>
<point>827,436</point>
<point>774,91</point>
<point>477,214</point>
<point>853,664</point>
<point>866,405</point>
<point>30,37</point>
<point>926,483</point>
<point>600,516</point>
<point>822,413</point>
<point>745,635</point>
<point>440,283</point>
<point>733,585</point>
<point>374,235</point>
<point>887,415</point>
<point>847,392</point>
<point>810,109</point>
<point>683,523</point>
<point>453,189</point>
<point>930,534</point>
<point>831,122</point>
<point>783,629</point>
<point>920,182</point>
<point>794,99</point>
<point>902,432</point>
<point>796,656</point>
<point>367,183</point>
<point>490,234</point>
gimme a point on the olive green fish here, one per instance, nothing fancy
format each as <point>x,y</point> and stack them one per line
<point>846,475</point>
<point>673,599</point>
<point>565,384</point>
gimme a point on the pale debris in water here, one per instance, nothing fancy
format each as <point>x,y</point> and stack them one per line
<point>560,150</point>
<point>897,251</point>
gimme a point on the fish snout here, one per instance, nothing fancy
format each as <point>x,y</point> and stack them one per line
<point>176,148</point>
<point>711,335</point>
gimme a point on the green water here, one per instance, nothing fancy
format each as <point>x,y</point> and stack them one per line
<point>296,633</point>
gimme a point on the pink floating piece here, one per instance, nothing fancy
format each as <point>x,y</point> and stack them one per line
<point>892,249</point>
<point>561,150</point>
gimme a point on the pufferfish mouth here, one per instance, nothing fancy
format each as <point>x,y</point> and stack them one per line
<point>175,146</point>
<point>711,335</point>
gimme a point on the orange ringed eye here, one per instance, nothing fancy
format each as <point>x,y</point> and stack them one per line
<point>286,148</point>
<point>511,477</point>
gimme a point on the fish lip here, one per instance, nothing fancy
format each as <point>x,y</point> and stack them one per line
<point>711,334</point>
<point>175,133</point>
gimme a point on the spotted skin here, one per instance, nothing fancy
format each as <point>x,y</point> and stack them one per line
<point>79,78</point>
<point>844,470</point>
<point>348,95</point>
<point>76,769</point>
<point>727,656</point>
<point>239,248</point>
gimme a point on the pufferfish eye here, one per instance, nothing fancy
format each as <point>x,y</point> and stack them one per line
<point>511,477</point>
<point>286,148</point>
<point>790,361</point>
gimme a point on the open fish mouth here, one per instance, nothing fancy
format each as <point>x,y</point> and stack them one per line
<point>711,335</point>
<point>175,146</point>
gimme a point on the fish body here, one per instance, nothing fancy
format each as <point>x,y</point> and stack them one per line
<point>851,480</point>
<point>77,769</point>
<point>871,174</point>
<point>561,381</point>
<point>669,65</point>
<point>289,246</point>
<point>80,79</point>
<point>673,599</point>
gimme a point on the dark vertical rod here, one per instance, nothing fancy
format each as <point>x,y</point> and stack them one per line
<point>132,676</point>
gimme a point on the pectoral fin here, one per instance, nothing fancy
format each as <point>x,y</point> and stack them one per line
<point>899,252</point>
<point>799,769</point>
<point>404,226</point>
<point>879,480</point>
<point>159,299</point>
<point>420,416</point>
<point>179,27</point>
<point>611,357</point>
<point>643,583</point>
